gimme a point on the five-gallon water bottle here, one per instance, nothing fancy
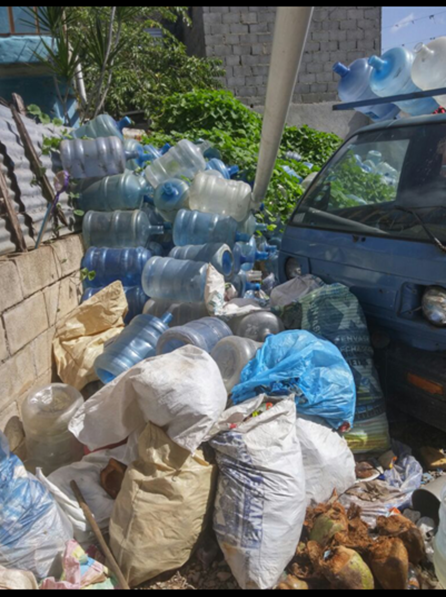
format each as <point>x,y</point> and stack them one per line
<point>440,544</point>
<point>121,191</point>
<point>232,354</point>
<point>96,157</point>
<point>135,296</point>
<point>292,173</point>
<point>211,194</point>
<point>256,325</point>
<point>183,160</point>
<point>118,229</point>
<point>145,154</point>
<point>242,284</point>
<point>175,280</point>
<point>102,126</point>
<point>135,343</point>
<point>197,228</point>
<point>182,313</point>
<point>219,166</point>
<point>204,333</point>
<point>111,265</point>
<point>429,67</point>
<point>218,254</point>
<point>250,226</point>
<point>251,255</point>
<point>392,76</point>
<point>354,86</point>
<point>170,197</point>
<point>46,415</point>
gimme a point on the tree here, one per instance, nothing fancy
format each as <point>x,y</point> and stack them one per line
<point>124,67</point>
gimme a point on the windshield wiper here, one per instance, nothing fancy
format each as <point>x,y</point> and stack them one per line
<point>423,224</point>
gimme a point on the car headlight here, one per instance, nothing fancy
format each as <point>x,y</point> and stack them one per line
<point>434,305</point>
<point>292,268</point>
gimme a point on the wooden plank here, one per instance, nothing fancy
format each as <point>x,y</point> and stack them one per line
<point>18,102</point>
<point>17,232</point>
<point>36,165</point>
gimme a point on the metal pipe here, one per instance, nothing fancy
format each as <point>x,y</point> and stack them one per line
<point>290,35</point>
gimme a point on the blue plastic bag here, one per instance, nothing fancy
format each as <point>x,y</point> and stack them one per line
<point>33,531</point>
<point>297,362</point>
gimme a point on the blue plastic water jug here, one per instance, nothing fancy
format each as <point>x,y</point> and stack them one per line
<point>102,126</point>
<point>135,343</point>
<point>174,279</point>
<point>118,229</point>
<point>392,75</point>
<point>219,166</point>
<point>243,285</point>
<point>204,333</point>
<point>121,191</point>
<point>218,254</point>
<point>198,228</point>
<point>250,226</point>
<point>354,86</point>
<point>135,296</point>
<point>111,265</point>
<point>170,197</point>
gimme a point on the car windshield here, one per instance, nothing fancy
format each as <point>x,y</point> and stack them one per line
<point>386,183</point>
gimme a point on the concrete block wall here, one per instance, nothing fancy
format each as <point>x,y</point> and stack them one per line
<point>37,291</point>
<point>241,36</point>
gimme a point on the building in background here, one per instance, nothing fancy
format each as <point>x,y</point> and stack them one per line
<point>242,38</point>
<point>21,71</point>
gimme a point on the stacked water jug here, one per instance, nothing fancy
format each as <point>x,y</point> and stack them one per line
<point>155,219</point>
<point>398,71</point>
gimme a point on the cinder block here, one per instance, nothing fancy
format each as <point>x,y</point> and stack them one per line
<point>372,13</point>
<point>337,35</point>
<point>4,353</point>
<point>37,269</point>
<point>216,28</point>
<point>42,351</point>
<point>230,17</point>
<point>10,286</point>
<point>232,60</point>
<point>239,50</point>
<point>232,39</point>
<point>17,376</point>
<point>249,38</point>
<point>355,13</point>
<point>249,18</point>
<point>307,78</point>
<point>70,295</point>
<point>26,321</point>
<point>267,17</point>
<point>8,413</point>
<point>222,50</point>
<point>238,28</point>
<point>234,82</point>
<point>260,27</point>
<point>348,24</point>
<point>69,252</point>
<point>214,17</point>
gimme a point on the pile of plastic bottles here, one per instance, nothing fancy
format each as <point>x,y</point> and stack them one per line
<point>154,220</point>
<point>398,71</point>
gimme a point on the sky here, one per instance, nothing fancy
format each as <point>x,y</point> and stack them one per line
<point>412,24</point>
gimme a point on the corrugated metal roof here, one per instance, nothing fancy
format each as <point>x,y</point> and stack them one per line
<point>27,196</point>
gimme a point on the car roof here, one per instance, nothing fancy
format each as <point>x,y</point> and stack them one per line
<point>402,122</point>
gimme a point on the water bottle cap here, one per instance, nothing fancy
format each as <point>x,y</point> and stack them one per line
<point>168,188</point>
<point>262,255</point>
<point>165,148</point>
<point>242,237</point>
<point>123,123</point>
<point>261,227</point>
<point>270,248</point>
<point>251,286</point>
<point>167,318</point>
<point>340,69</point>
<point>377,63</point>
<point>233,170</point>
<point>262,207</point>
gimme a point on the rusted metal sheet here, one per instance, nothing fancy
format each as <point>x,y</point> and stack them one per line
<point>25,194</point>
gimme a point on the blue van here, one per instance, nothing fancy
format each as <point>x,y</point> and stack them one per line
<point>374,219</point>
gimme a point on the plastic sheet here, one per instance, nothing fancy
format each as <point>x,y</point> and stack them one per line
<point>297,362</point>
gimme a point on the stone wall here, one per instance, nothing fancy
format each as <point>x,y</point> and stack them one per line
<point>37,290</point>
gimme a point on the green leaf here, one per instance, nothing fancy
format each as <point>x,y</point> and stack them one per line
<point>91,276</point>
<point>79,213</point>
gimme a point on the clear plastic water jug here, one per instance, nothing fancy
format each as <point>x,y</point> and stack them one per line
<point>392,75</point>
<point>137,342</point>
<point>210,194</point>
<point>170,197</point>
<point>118,229</point>
<point>218,254</point>
<point>182,313</point>
<point>242,284</point>
<point>102,126</point>
<point>197,228</point>
<point>219,166</point>
<point>232,354</point>
<point>250,226</point>
<point>111,265</point>
<point>257,325</point>
<point>354,86</point>
<point>145,154</point>
<point>121,191</point>
<point>135,296</point>
<point>429,67</point>
<point>183,160</point>
<point>251,255</point>
<point>174,279</point>
<point>46,415</point>
<point>96,157</point>
<point>440,544</point>
<point>204,333</point>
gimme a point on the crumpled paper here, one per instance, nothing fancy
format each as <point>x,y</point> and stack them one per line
<point>81,337</point>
